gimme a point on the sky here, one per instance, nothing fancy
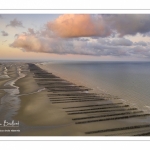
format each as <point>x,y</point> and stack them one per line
<point>90,37</point>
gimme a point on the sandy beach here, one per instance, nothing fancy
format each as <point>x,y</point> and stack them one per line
<point>47,105</point>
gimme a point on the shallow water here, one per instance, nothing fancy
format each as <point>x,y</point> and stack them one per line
<point>3,74</point>
<point>130,81</point>
<point>10,103</point>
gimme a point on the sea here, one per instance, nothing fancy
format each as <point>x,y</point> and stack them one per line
<point>129,81</point>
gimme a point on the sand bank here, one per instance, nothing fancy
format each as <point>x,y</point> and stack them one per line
<point>27,84</point>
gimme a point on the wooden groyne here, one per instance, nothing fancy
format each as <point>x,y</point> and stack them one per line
<point>81,110</point>
<point>101,116</point>
<point>114,118</point>
<point>87,108</point>
<point>110,110</point>
<point>93,105</point>
<point>119,129</point>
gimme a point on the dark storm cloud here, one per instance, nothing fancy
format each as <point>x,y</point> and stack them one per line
<point>4,33</point>
<point>15,23</point>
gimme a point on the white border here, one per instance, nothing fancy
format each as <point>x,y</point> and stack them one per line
<point>75,11</point>
<point>73,138</point>
<point>74,4</point>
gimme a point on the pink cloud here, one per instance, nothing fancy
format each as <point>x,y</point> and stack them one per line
<point>79,26</point>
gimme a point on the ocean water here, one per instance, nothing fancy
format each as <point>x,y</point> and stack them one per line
<point>130,81</point>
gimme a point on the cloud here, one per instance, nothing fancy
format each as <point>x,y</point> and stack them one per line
<point>4,42</point>
<point>4,33</point>
<point>141,43</point>
<point>79,26</point>
<point>99,25</point>
<point>31,31</point>
<point>16,35</point>
<point>115,41</point>
<point>128,24</point>
<point>15,23</point>
<point>48,45</point>
<point>121,42</point>
<point>97,35</point>
<point>96,47</point>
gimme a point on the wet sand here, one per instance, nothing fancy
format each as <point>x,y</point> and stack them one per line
<point>51,106</point>
<point>2,93</point>
<point>24,86</point>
